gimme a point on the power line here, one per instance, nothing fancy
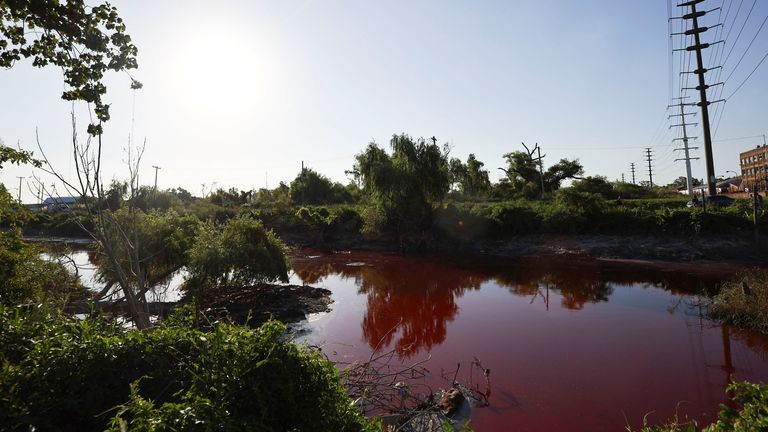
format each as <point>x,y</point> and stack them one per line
<point>738,36</point>
<point>748,77</point>
<point>747,50</point>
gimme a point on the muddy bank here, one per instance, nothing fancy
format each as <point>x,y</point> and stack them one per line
<point>744,249</point>
<point>253,305</point>
<point>257,304</point>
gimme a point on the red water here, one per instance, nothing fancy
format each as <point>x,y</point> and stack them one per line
<point>572,345</point>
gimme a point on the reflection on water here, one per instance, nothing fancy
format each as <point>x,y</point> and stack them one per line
<point>574,345</point>
<point>83,264</point>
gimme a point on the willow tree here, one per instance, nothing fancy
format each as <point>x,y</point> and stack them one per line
<point>401,188</point>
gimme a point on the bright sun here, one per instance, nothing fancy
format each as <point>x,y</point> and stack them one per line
<point>224,70</point>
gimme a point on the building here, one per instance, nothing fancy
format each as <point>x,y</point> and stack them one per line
<point>754,168</point>
<point>58,204</point>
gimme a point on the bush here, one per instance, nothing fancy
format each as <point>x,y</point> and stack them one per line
<point>750,413</point>
<point>743,301</point>
<point>91,375</point>
<point>240,252</point>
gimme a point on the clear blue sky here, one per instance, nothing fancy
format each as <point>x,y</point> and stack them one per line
<point>240,92</point>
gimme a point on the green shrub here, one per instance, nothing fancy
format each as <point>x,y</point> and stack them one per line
<point>750,413</point>
<point>240,252</point>
<point>91,375</point>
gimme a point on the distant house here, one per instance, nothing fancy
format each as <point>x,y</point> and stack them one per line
<point>730,185</point>
<point>57,204</point>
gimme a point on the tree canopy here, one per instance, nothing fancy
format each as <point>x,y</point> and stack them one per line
<point>403,186</point>
<point>525,178</point>
<point>85,42</point>
<point>471,179</point>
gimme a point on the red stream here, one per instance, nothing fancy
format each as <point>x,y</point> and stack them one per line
<point>572,345</point>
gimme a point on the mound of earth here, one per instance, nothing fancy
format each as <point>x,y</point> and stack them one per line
<point>257,304</point>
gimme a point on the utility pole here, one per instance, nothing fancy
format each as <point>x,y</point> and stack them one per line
<point>696,31</point>
<point>20,179</point>
<point>632,168</point>
<point>649,158</point>
<point>541,167</point>
<point>622,178</point>
<point>687,158</point>
<point>156,169</point>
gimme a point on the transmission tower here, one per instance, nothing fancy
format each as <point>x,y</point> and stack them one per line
<point>649,158</point>
<point>632,168</point>
<point>622,178</point>
<point>695,30</point>
<point>687,158</point>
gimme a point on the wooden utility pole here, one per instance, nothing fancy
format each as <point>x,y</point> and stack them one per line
<point>696,31</point>
<point>20,179</point>
<point>649,158</point>
<point>541,167</point>
<point>156,169</point>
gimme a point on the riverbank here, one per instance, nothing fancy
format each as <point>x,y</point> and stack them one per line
<point>743,249</point>
<point>252,305</point>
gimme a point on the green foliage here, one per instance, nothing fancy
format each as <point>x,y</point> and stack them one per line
<point>472,180</point>
<point>17,157</point>
<point>149,245</point>
<point>24,275</point>
<point>524,174</point>
<point>743,301</point>
<point>239,252</point>
<point>229,198</point>
<point>84,41</point>
<point>750,413</point>
<point>596,185</point>
<point>75,375</point>
<point>312,188</point>
<point>402,188</point>
<point>147,198</point>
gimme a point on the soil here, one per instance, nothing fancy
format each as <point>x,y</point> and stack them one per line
<point>252,305</point>
<point>256,304</point>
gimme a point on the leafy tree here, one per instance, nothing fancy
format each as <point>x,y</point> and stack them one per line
<point>595,185</point>
<point>85,42</point>
<point>17,157</point>
<point>525,178</point>
<point>115,195</point>
<point>682,181</point>
<point>24,275</point>
<point>403,187</point>
<point>229,198</point>
<point>160,242</point>
<point>312,188</point>
<point>240,252</point>
<point>471,179</point>
<point>147,198</point>
<point>184,195</point>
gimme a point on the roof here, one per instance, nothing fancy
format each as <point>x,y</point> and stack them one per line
<point>60,200</point>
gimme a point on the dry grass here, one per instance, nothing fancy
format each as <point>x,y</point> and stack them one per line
<point>743,301</point>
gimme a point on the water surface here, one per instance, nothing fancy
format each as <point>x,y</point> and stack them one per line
<point>576,345</point>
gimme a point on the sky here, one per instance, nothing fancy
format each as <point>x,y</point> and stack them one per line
<point>239,93</point>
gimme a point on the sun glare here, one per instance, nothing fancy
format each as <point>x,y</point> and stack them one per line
<point>224,69</point>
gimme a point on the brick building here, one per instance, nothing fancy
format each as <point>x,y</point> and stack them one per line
<point>754,168</point>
